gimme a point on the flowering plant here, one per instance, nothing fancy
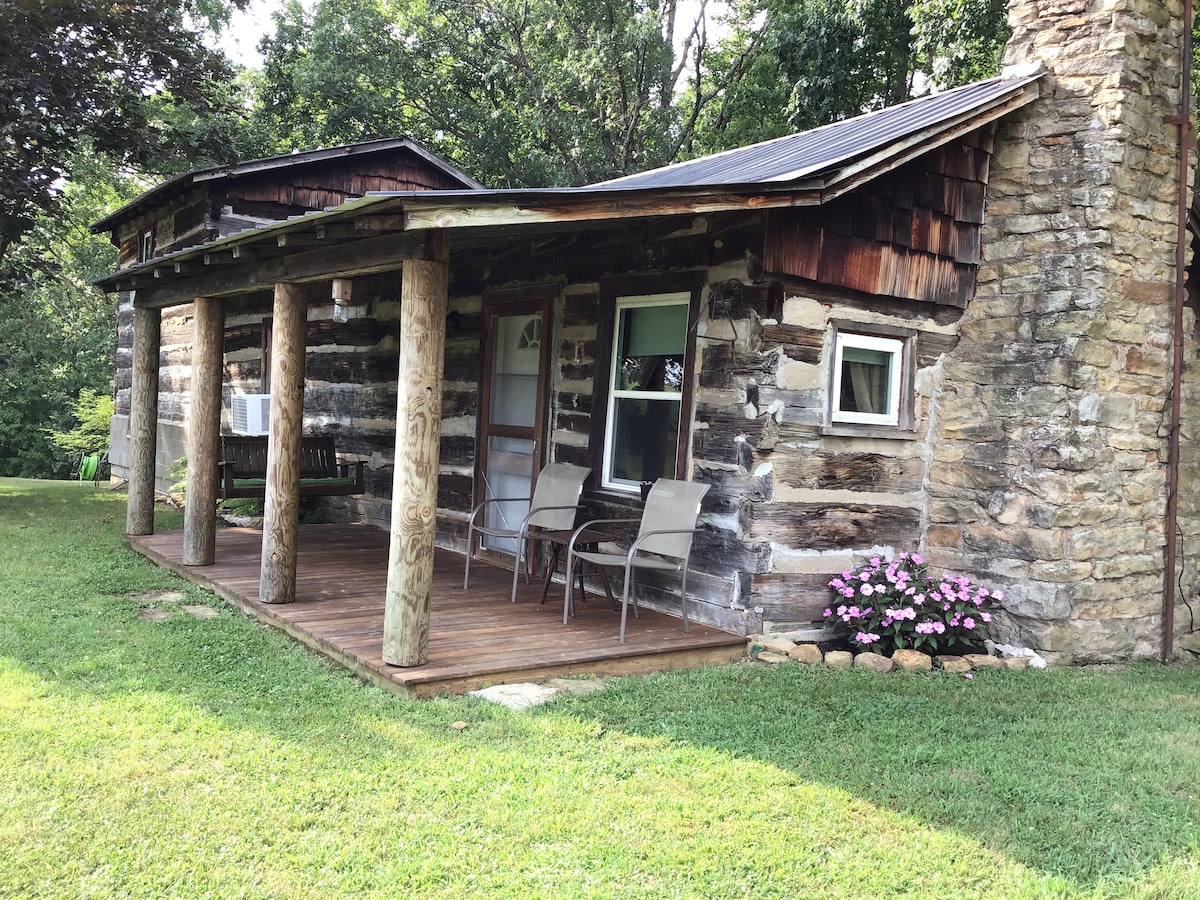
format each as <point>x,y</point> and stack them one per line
<point>889,604</point>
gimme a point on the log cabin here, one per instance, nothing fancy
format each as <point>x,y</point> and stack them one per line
<point>956,326</point>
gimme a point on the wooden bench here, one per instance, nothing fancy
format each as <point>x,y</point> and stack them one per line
<point>244,468</point>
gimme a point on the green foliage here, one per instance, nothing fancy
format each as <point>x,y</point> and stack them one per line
<point>114,76</point>
<point>57,332</point>
<point>218,758</point>
<point>789,66</point>
<point>92,412</point>
<point>530,94</point>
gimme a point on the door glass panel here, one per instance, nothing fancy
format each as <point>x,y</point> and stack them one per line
<point>516,357</point>
<point>509,459</point>
<point>508,474</point>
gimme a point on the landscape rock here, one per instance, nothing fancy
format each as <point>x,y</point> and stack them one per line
<point>770,656</point>
<point>810,654</point>
<point>954,664</point>
<point>912,661</point>
<point>839,659</point>
<point>777,643</point>
<point>1016,662</point>
<point>874,662</point>
<point>983,661</point>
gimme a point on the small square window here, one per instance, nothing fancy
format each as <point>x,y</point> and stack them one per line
<point>867,379</point>
<point>147,250</point>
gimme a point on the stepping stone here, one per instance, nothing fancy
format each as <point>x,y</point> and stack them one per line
<point>157,597</point>
<point>516,696</point>
<point>200,611</point>
<point>154,614</point>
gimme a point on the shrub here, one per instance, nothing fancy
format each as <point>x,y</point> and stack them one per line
<point>890,604</point>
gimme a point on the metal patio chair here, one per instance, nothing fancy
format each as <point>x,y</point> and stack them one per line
<point>663,543</point>
<point>552,507</point>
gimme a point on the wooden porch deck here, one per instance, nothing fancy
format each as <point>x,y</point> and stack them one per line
<point>476,637</point>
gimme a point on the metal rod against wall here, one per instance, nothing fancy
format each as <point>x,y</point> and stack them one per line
<point>1184,120</point>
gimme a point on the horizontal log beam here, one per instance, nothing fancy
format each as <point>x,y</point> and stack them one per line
<point>363,257</point>
<point>418,215</point>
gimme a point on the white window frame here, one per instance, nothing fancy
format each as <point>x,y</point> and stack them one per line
<point>675,298</point>
<point>893,346</point>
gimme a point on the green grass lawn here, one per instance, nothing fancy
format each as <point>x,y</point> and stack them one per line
<point>215,758</point>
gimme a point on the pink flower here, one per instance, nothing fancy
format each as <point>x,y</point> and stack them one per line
<point>828,613</point>
<point>867,590</point>
<point>998,595</point>
<point>969,676</point>
<point>969,623</point>
<point>866,637</point>
<point>916,558</point>
<point>986,616</point>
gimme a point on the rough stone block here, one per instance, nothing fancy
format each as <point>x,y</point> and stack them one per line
<point>839,659</point>
<point>1037,600</point>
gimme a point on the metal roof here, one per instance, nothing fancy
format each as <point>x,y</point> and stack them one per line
<point>810,153</point>
<point>216,173</point>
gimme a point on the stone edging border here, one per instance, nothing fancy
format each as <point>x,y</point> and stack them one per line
<point>776,649</point>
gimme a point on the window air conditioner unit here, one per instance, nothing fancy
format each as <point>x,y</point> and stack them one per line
<point>250,413</point>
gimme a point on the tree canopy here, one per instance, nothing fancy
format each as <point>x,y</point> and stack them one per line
<point>135,81</point>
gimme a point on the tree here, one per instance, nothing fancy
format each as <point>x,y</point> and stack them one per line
<point>133,80</point>
<point>518,92</point>
<point>804,64</point>
<point>57,332</point>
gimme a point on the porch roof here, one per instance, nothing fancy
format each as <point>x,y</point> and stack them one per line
<point>807,169</point>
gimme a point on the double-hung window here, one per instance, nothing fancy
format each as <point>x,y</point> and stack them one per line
<point>646,389</point>
<point>868,379</point>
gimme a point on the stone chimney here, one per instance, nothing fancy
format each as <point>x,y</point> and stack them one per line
<point>1048,467</point>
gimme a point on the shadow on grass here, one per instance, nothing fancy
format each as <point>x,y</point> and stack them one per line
<point>1073,773</point>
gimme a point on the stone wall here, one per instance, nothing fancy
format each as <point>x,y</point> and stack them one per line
<point>1049,469</point>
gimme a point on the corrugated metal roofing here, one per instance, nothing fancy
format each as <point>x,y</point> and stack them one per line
<point>797,156</point>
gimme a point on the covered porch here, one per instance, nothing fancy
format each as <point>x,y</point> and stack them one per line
<point>477,637</point>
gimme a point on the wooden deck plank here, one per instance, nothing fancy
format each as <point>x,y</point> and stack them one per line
<point>477,636</point>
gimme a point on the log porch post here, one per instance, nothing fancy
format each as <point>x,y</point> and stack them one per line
<point>143,421</point>
<point>204,437</point>
<point>418,430</point>
<point>281,509</point>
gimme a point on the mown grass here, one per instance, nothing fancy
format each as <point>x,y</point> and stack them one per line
<point>214,757</point>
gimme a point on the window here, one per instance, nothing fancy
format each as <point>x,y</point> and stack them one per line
<point>146,252</point>
<point>867,382</point>
<point>646,389</point>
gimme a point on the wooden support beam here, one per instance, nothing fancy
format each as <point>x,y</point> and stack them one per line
<point>418,432</point>
<point>143,421</point>
<point>364,256</point>
<point>200,513</point>
<point>281,509</point>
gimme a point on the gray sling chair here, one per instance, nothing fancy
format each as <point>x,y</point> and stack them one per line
<point>552,507</point>
<point>664,543</point>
